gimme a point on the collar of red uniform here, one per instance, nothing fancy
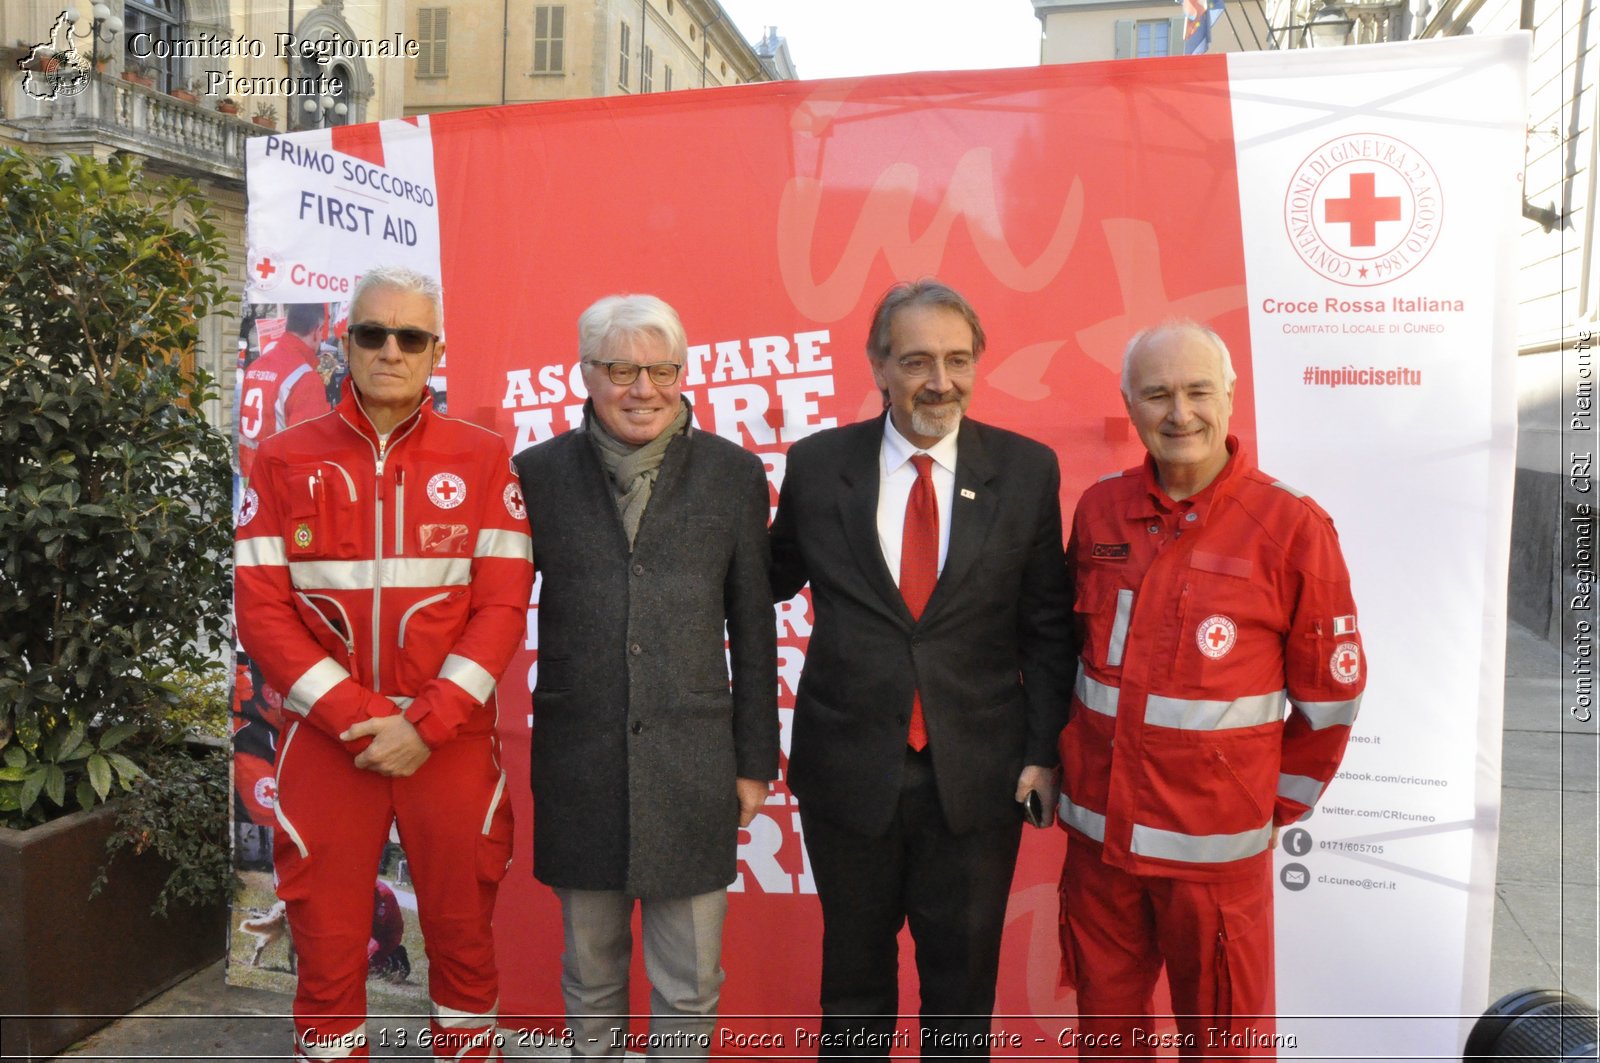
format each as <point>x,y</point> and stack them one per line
<point>356,417</point>
<point>1153,501</point>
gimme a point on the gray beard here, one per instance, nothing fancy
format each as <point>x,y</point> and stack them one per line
<point>935,424</point>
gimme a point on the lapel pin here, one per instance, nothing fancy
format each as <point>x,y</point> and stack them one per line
<point>966,492</point>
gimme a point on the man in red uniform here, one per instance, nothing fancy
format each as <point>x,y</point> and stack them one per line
<point>383,572</point>
<point>1206,593</point>
<point>282,387</point>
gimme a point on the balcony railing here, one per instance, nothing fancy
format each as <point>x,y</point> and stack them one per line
<point>192,138</point>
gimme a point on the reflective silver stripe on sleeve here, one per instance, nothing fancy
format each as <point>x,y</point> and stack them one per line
<point>1199,848</point>
<point>331,1045</point>
<point>313,683</point>
<point>1301,788</point>
<point>1320,714</point>
<point>260,550</point>
<point>497,542</point>
<point>1081,819</point>
<point>469,675</point>
<point>1096,695</point>
<point>1119,628</point>
<point>453,1019</point>
<point>1285,487</point>
<point>280,406</point>
<point>1186,715</point>
<point>397,572</point>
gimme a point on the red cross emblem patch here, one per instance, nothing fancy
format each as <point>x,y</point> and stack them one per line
<point>249,506</point>
<point>1345,664</point>
<point>512,496</point>
<point>1216,635</point>
<point>447,490</point>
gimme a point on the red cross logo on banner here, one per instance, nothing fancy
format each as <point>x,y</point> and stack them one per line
<point>1216,635</point>
<point>1345,664</point>
<point>1363,209</point>
<point>447,490</point>
<point>265,268</point>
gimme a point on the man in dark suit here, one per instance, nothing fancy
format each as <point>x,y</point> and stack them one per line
<point>650,535</point>
<point>936,680</point>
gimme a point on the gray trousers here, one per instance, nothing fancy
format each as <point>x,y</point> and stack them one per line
<point>682,956</point>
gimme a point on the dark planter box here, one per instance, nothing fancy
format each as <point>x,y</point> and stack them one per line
<point>69,964</point>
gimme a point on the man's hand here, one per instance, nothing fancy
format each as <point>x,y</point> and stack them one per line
<point>1042,781</point>
<point>1273,843</point>
<point>752,795</point>
<point>396,748</point>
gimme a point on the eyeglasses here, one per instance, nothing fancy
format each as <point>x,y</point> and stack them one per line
<point>373,337</point>
<point>623,374</point>
<point>921,365</point>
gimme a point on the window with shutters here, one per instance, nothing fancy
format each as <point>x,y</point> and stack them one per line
<point>647,69</point>
<point>433,31</point>
<point>549,38</point>
<point>624,44</point>
<point>1144,38</point>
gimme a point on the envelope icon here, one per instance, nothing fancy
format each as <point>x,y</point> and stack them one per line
<point>1294,876</point>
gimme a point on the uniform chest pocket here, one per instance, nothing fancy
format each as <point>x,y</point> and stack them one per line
<point>1232,623</point>
<point>1103,611</point>
<point>323,512</point>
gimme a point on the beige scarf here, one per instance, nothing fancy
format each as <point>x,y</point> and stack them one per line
<point>632,470</point>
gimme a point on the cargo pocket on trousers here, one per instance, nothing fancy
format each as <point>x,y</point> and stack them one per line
<point>495,843</point>
<point>1067,977</point>
<point>1243,962</point>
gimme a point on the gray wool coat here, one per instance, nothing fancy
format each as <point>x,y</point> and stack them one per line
<point>637,736</point>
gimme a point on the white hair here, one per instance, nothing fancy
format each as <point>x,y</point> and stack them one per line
<point>1166,330</point>
<point>616,317</point>
<point>403,279</point>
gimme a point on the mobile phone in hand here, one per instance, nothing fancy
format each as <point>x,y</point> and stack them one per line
<point>1033,809</point>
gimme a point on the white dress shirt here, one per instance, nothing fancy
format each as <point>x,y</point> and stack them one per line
<point>896,475</point>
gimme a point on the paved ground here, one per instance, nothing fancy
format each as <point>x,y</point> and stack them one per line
<point>1544,927</point>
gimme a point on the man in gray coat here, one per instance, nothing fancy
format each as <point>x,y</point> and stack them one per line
<point>650,536</point>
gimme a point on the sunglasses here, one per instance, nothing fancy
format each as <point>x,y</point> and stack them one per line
<point>373,337</point>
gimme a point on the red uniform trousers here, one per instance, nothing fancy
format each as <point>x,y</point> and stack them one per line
<point>333,818</point>
<point>1215,939</point>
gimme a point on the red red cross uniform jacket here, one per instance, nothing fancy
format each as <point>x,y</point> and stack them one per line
<point>378,577</point>
<point>281,388</point>
<point>1197,622</point>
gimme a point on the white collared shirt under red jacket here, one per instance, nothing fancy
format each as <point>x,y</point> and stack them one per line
<point>376,577</point>
<point>1220,674</point>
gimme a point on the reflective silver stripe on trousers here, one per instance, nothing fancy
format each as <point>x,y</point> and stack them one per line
<point>260,550</point>
<point>317,1045</point>
<point>313,683</point>
<point>1081,819</point>
<point>453,1019</point>
<point>1199,848</point>
<point>1119,628</point>
<point>1187,715</point>
<point>1320,714</point>
<point>1301,788</point>
<point>497,542</point>
<point>277,803</point>
<point>469,675</point>
<point>397,572</point>
<point>1096,695</point>
<point>494,803</point>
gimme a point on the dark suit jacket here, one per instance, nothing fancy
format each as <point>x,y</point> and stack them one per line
<point>991,653</point>
<point>637,738</point>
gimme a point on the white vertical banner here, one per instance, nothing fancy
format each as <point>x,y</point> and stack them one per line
<point>1380,190</point>
<point>328,204</point>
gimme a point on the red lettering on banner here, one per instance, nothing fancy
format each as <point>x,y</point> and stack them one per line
<point>884,226</point>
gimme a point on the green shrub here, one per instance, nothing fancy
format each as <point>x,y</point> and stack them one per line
<point>114,491</point>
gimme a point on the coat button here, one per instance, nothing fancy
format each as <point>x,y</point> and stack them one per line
<point>1191,516</point>
<point>638,569</point>
<point>637,726</point>
<point>1154,528</point>
<point>636,649</point>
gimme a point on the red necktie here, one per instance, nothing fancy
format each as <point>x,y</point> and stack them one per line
<point>919,568</point>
